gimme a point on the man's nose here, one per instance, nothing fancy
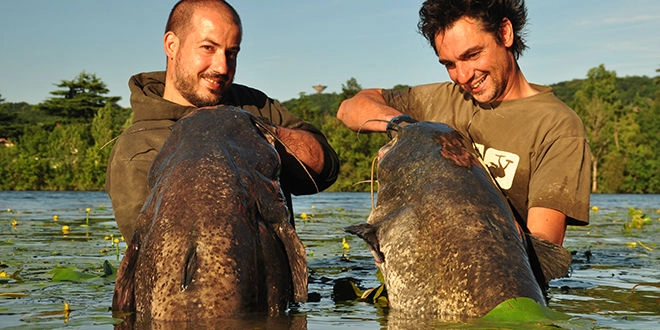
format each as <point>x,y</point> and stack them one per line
<point>464,73</point>
<point>220,62</point>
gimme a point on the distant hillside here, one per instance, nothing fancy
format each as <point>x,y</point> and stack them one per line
<point>627,88</point>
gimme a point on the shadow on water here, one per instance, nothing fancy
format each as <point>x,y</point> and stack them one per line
<point>293,322</point>
<point>614,280</point>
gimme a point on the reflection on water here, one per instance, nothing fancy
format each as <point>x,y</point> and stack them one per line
<point>614,279</point>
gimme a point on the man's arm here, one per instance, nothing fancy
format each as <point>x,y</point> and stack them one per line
<point>548,224</point>
<point>366,105</point>
<point>303,146</point>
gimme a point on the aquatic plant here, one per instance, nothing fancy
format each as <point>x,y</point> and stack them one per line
<point>71,273</point>
<point>307,216</point>
<point>6,277</point>
<point>87,211</point>
<point>638,219</point>
<point>344,248</point>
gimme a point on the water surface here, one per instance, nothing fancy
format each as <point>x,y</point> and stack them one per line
<point>614,281</point>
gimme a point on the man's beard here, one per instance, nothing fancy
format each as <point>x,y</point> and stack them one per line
<point>186,85</point>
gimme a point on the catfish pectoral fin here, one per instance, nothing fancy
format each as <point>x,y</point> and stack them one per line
<point>363,230</point>
<point>554,260</point>
<point>369,233</point>
<point>295,251</point>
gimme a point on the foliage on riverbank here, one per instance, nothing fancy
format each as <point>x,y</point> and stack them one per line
<point>64,143</point>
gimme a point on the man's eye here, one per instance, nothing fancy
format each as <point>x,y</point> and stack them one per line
<point>232,53</point>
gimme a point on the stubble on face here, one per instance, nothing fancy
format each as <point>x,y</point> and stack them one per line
<point>203,67</point>
<point>187,84</point>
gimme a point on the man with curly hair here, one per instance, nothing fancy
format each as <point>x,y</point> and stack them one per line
<point>534,145</point>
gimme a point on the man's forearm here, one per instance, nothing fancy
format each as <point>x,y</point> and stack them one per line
<point>366,111</point>
<point>303,146</point>
<point>547,223</point>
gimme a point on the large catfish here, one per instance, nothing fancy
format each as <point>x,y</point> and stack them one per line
<point>214,238</point>
<point>442,233</point>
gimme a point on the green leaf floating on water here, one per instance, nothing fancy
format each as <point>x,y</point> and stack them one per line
<point>523,310</point>
<point>72,274</point>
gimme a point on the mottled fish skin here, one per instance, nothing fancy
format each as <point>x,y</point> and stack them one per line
<point>447,238</point>
<point>214,238</point>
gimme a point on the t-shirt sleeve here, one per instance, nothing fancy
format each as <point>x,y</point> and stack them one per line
<point>411,101</point>
<point>561,179</point>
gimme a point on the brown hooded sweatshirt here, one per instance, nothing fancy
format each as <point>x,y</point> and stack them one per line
<point>153,117</point>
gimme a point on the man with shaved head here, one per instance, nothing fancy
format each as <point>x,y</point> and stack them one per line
<point>202,41</point>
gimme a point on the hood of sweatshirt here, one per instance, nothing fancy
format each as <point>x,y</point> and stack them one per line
<point>147,99</point>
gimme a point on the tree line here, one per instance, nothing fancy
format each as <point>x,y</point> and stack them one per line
<point>64,143</point>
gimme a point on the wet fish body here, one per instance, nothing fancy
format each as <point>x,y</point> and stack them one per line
<point>442,232</point>
<point>214,238</point>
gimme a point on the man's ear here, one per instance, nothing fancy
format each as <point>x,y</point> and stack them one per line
<point>506,32</point>
<point>171,44</point>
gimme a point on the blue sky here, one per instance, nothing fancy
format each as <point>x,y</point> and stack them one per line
<point>291,45</point>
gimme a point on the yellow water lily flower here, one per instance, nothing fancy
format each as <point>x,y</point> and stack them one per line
<point>14,223</point>
<point>344,244</point>
<point>55,217</point>
<point>65,229</point>
<point>67,312</point>
<point>594,208</point>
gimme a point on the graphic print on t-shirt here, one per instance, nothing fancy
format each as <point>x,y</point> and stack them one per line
<point>501,164</point>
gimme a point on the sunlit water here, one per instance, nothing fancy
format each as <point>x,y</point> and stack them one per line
<point>614,282</point>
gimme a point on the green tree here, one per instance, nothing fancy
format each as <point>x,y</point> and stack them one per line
<point>595,102</point>
<point>400,87</point>
<point>108,123</point>
<point>78,99</point>
<point>356,151</point>
<point>29,168</point>
<point>640,147</point>
<point>12,122</point>
<point>349,89</point>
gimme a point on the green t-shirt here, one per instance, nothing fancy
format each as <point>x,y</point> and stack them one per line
<point>535,147</point>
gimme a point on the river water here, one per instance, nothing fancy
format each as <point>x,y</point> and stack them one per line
<point>614,280</point>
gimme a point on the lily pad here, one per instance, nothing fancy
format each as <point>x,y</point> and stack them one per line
<point>523,310</point>
<point>71,275</point>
